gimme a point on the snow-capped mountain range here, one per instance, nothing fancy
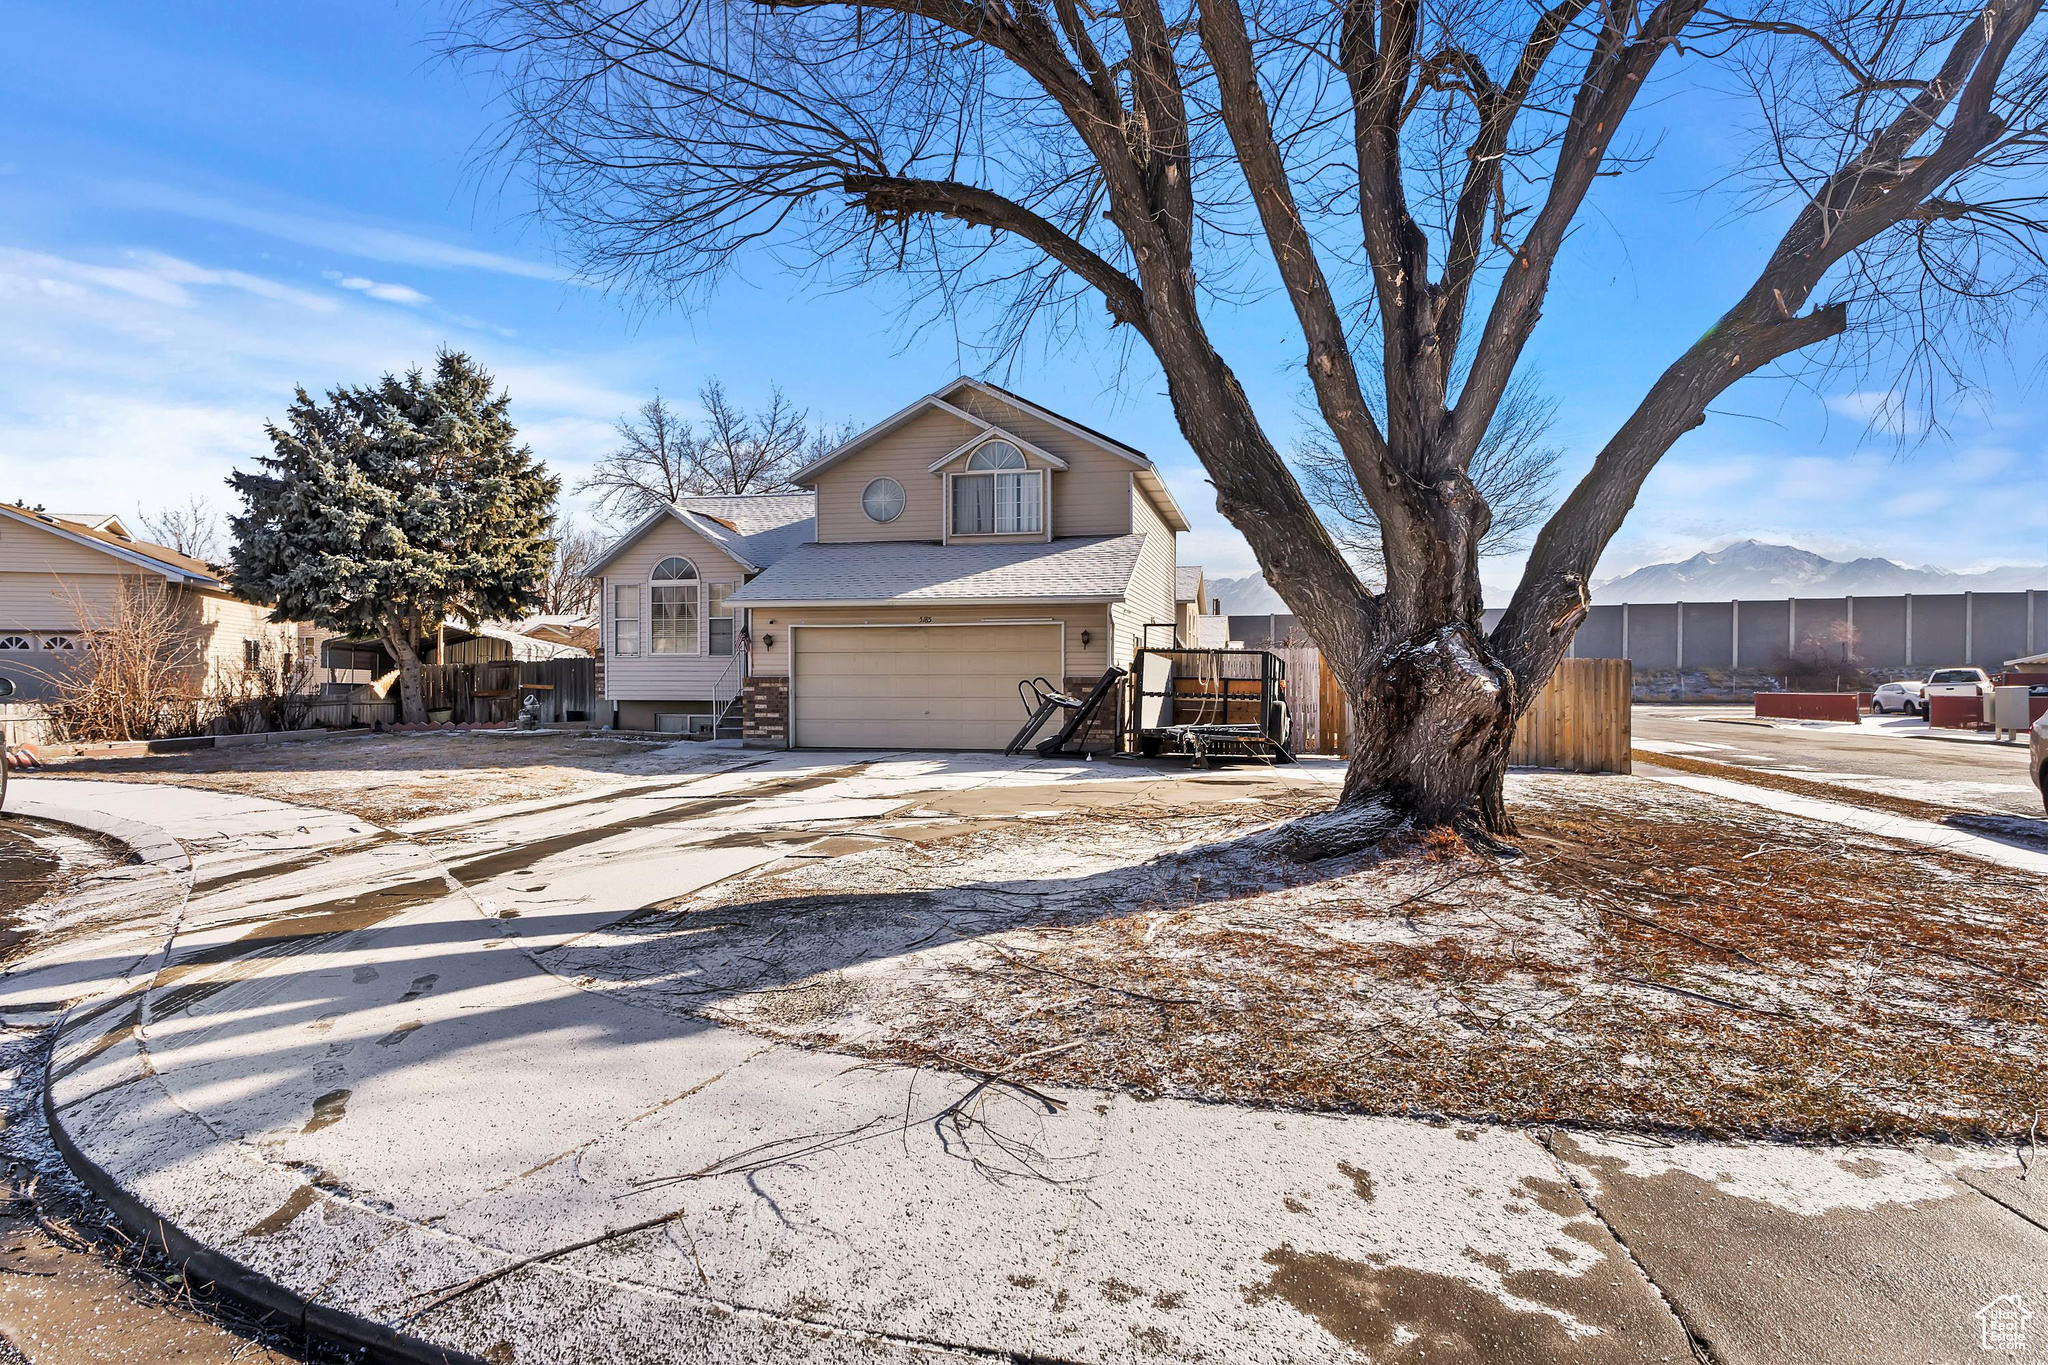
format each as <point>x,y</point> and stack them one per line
<point>1751,570</point>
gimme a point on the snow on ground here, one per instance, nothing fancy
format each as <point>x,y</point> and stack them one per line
<point>394,778</point>
<point>1659,959</point>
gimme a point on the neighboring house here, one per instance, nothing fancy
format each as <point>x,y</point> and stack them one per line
<point>578,632</point>
<point>1191,602</point>
<point>970,541</point>
<point>62,575</point>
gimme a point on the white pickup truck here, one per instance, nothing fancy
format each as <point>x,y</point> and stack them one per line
<point>1958,682</point>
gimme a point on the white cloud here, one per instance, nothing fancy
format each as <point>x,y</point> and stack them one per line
<point>390,293</point>
<point>1880,409</point>
<point>153,278</point>
<point>369,241</point>
<point>146,378</point>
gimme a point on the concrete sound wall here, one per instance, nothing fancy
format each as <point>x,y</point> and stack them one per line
<point>1913,633</point>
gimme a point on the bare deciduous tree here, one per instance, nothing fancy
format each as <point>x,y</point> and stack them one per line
<point>1513,469</point>
<point>1405,173</point>
<point>568,590</point>
<point>191,529</point>
<point>662,457</point>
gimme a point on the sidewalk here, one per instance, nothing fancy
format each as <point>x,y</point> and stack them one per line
<point>337,1065</point>
<point>1883,727</point>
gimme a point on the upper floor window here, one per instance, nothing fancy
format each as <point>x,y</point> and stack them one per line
<point>673,595</point>
<point>998,495</point>
<point>882,500</point>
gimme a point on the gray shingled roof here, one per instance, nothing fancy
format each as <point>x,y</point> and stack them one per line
<point>759,527</point>
<point>1082,568</point>
<point>1187,583</point>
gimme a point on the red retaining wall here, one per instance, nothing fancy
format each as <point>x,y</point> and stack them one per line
<point>1809,706</point>
<point>1955,713</point>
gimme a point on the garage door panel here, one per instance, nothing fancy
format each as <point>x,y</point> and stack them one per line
<point>929,687</point>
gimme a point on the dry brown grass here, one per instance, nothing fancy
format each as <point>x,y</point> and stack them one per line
<point>1659,960</point>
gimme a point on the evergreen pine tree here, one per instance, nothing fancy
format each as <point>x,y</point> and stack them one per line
<point>385,509</point>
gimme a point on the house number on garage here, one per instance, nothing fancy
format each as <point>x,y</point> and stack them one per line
<point>924,620</point>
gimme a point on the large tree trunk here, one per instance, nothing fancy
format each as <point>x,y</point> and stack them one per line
<point>1432,716</point>
<point>412,678</point>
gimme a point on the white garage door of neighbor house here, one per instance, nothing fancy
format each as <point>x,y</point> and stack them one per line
<point>916,687</point>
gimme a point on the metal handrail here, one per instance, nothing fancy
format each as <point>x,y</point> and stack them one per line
<point>720,708</point>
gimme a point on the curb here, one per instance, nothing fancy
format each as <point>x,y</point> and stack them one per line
<point>253,1291</point>
<point>150,845</point>
<point>147,844</point>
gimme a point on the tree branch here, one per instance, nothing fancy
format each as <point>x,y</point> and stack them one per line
<point>893,198</point>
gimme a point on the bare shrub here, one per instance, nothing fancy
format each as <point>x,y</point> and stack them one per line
<point>133,673</point>
<point>271,689</point>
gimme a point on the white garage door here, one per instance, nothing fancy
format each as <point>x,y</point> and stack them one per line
<point>916,687</point>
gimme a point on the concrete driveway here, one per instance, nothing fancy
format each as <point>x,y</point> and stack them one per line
<point>327,1061</point>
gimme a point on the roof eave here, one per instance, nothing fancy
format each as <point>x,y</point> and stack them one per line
<point>882,428</point>
<point>1080,599</point>
<point>180,576</point>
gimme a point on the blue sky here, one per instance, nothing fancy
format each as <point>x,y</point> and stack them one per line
<point>204,205</point>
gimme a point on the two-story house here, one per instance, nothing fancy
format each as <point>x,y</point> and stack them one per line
<point>969,541</point>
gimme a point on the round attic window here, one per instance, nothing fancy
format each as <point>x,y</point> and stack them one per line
<point>882,500</point>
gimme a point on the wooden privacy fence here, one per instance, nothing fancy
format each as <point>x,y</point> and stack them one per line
<point>1580,720</point>
<point>481,693</point>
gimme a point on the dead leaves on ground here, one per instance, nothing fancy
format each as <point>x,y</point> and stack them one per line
<point>1658,960</point>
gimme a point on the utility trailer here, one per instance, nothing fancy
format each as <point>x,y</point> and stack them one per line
<point>1210,703</point>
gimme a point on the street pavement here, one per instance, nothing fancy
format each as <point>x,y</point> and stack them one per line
<point>1986,776</point>
<point>334,1070</point>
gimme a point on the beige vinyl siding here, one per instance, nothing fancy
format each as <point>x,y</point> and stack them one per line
<point>905,455</point>
<point>40,550</point>
<point>648,676</point>
<point>1088,498</point>
<point>44,576</point>
<point>1150,598</point>
<point>221,624</point>
<point>1083,660</point>
<point>1093,497</point>
<point>41,600</point>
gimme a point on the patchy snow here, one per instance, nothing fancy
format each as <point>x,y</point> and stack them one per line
<point>1802,1180</point>
<point>1922,832</point>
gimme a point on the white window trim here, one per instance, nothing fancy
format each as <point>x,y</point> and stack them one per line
<point>1044,531</point>
<point>697,646</point>
<point>613,617</point>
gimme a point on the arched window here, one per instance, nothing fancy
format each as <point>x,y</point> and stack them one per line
<point>672,588</point>
<point>13,642</point>
<point>997,495</point>
<point>56,642</point>
<point>996,455</point>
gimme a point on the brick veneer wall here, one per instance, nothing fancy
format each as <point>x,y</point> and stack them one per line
<point>1100,735</point>
<point>764,712</point>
